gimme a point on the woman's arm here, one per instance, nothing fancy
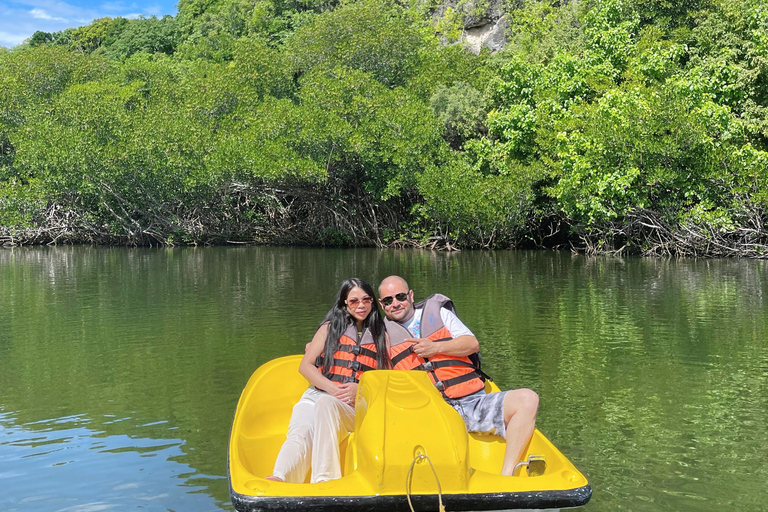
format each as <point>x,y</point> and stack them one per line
<point>307,366</point>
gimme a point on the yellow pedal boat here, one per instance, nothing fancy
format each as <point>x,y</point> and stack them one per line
<point>408,444</point>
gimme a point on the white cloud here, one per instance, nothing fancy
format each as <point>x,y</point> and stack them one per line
<point>118,6</point>
<point>41,14</point>
<point>10,39</point>
<point>156,10</point>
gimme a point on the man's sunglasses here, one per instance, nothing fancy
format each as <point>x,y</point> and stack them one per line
<point>401,297</point>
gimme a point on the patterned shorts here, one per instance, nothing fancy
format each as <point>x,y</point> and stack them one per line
<point>482,412</point>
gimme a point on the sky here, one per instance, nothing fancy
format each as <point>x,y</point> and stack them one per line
<point>19,19</point>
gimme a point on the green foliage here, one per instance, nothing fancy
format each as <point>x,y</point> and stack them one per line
<point>210,29</point>
<point>99,33</point>
<point>670,14</point>
<point>540,29</point>
<point>609,30</point>
<point>42,73</point>
<point>21,205</point>
<point>265,69</point>
<point>460,110</point>
<point>730,58</point>
<point>441,65</point>
<point>216,24</point>
<point>34,76</point>
<point>367,132</point>
<point>630,119</point>
<point>656,58</point>
<point>215,47</point>
<point>658,149</point>
<point>373,36</point>
<point>332,237</point>
<point>7,151</point>
<point>470,209</point>
<point>313,121</point>
<point>40,38</point>
<point>150,35</point>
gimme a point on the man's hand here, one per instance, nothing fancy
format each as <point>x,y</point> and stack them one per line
<point>424,347</point>
<point>460,347</point>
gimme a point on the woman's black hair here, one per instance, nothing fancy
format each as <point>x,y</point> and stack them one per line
<point>338,319</point>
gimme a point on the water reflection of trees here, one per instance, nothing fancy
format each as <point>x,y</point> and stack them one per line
<point>655,367</point>
<point>651,372</point>
<point>146,335</point>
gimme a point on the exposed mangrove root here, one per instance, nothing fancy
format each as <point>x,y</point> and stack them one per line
<point>432,243</point>
<point>236,214</point>
<point>330,215</point>
<point>645,232</point>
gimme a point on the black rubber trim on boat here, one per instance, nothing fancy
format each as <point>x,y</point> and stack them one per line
<point>489,501</point>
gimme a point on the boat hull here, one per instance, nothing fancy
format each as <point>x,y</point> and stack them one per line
<point>407,441</point>
<point>550,500</point>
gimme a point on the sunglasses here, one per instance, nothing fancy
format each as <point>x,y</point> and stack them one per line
<point>401,297</point>
<point>353,302</point>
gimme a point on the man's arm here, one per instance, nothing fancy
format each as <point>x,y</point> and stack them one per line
<point>459,347</point>
<point>463,344</point>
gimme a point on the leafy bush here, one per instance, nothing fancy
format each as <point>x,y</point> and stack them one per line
<point>615,125</point>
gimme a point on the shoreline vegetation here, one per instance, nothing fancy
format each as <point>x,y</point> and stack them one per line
<point>603,126</point>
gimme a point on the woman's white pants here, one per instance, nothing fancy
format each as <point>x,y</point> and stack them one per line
<point>318,424</point>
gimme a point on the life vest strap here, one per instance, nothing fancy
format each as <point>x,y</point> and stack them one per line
<point>402,355</point>
<point>353,365</point>
<point>358,350</point>
<point>342,378</point>
<point>432,365</point>
<point>442,385</point>
<point>408,351</point>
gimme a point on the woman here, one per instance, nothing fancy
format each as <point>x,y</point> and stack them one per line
<point>350,340</point>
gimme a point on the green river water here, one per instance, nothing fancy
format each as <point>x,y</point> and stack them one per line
<point>120,369</point>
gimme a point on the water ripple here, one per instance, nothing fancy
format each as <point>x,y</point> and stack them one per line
<point>125,472</point>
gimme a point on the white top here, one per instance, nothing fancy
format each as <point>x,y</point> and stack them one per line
<point>451,322</point>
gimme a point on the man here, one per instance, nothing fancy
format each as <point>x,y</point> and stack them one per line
<point>429,336</point>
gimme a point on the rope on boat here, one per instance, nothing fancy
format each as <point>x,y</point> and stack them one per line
<point>409,477</point>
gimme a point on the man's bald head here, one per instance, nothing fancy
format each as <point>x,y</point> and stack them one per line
<point>399,309</point>
<point>393,280</point>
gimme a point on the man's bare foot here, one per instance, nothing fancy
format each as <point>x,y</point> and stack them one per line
<point>274,478</point>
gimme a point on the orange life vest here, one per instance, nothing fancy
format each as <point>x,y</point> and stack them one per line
<point>352,358</point>
<point>454,377</point>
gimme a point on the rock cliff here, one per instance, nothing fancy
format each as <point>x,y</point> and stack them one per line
<point>482,23</point>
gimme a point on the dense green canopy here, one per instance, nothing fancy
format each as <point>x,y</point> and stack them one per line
<point>607,125</point>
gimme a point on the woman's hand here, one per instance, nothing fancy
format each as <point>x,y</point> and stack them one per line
<point>347,393</point>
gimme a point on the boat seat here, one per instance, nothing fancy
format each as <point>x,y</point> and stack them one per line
<point>391,432</point>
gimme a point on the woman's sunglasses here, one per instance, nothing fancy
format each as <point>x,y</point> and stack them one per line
<point>401,297</point>
<point>353,302</point>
